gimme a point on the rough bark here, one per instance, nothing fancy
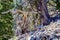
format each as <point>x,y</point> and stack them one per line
<point>42,6</point>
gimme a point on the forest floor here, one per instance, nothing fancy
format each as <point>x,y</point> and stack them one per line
<point>48,32</point>
<point>51,31</point>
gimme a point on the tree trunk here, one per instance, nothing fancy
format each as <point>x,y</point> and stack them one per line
<point>45,17</point>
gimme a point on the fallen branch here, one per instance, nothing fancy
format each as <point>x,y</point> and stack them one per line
<point>15,11</point>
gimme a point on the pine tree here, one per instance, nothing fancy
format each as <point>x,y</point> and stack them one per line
<point>6,31</point>
<point>41,6</point>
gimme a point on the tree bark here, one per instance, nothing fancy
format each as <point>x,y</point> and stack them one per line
<point>45,17</point>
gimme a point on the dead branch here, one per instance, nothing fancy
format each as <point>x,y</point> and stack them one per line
<point>15,11</point>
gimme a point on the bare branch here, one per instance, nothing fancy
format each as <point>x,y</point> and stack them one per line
<point>15,11</point>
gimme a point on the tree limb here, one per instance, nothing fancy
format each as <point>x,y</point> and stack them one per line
<point>15,11</point>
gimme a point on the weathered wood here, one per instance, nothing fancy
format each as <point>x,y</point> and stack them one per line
<point>42,6</point>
